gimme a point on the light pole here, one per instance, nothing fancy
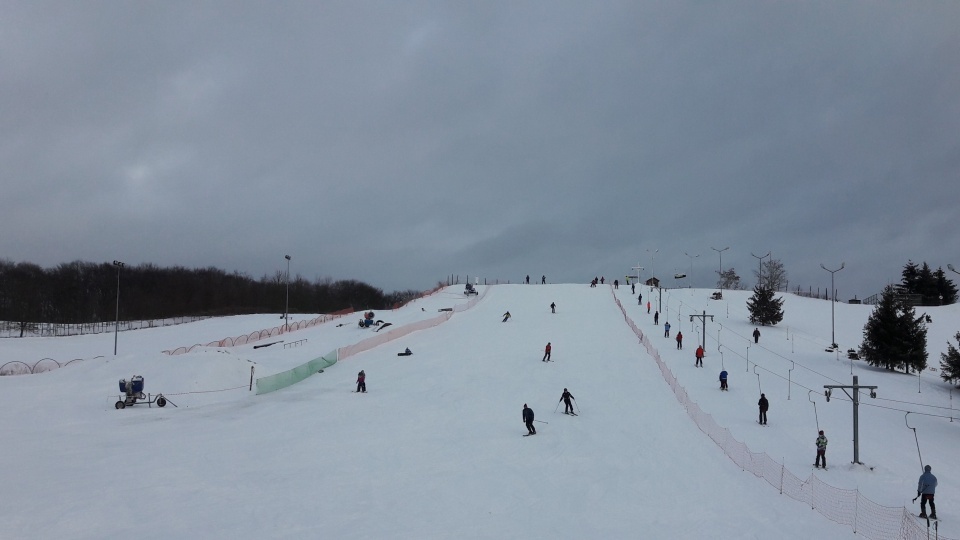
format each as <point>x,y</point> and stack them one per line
<point>952,269</point>
<point>692,257</point>
<point>286,311</point>
<point>720,273</point>
<point>116,326</point>
<point>653,273</point>
<point>760,269</point>
<point>833,336</point>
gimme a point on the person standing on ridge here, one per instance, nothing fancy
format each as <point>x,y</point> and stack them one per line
<point>756,335</point>
<point>528,279</point>
<point>616,284</point>
<point>528,420</point>
<point>361,382</point>
<point>566,397</point>
<point>699,362</point>
<point>723,380</point>
<point>543,279</point>
<point>666,329</point>
<point>679,340</point>
<point>821,460</point>
<point>633,288</point>
<point>764,406</point>
<point>546,353</point>
<point>925,489</point>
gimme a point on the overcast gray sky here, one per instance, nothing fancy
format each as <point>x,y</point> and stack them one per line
<point>399,143</point>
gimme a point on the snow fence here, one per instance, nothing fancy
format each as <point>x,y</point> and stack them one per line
<point>290,377</point>
<point>844,506</point>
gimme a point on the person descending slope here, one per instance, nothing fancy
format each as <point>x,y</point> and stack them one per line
<point>528,420</point>
<point>361,381</point>
<point>723,381</point>
<point>506,316</point>
<point>567,405</point>
<point>546,353</point>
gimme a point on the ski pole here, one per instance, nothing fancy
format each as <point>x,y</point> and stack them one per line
<point>541,421</point>
<point>555,409</point>
<point>576,405</point>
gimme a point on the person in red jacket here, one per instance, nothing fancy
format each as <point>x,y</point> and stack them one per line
<point>699,362</point>
<point>679,340</point>
<point>361,382</point>
<point>546,353</point>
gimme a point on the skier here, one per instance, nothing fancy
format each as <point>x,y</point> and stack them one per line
<point>543,280</point>
<point>633,288</point>
<point>723,380</point>
<point>756,335</point>
<point>925,488</point>
<point>546,353</point>
<point>679,340</point>
<point>553,307</point>
<point>616,284</point>
<point>506,316</point>
<point>656,318</point>
<point>528,420</point>
<point>666,329</point>
<point>567,406</point>
<point>764,405</point>
<point>361,382</point>
<point>699,362</point>
<point>648,306</point>
<point>528,279</point>
<point>821,451</point>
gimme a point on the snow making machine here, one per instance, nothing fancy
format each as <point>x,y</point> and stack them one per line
<point>133,393</point>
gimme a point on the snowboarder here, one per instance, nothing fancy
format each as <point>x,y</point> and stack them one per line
<point>553,307</point>
<point>723,380</point>
<point>666,329</point>
<point>679,340</point>
<point>764,405</point>
<point>925,489</point>
<point>756,335</point>
<point>567,405</point>
<point>361,382</point>
<point>546,353</point>
<point>656,318</point>
<point>406,352</point>
<point>506,316</point>
<point>699,362</point>
<point>528,420</point>
<point>821,460</point>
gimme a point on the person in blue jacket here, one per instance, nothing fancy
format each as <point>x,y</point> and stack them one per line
<point>925,489</point>
<point>666,329</point>
<point>723,380</point>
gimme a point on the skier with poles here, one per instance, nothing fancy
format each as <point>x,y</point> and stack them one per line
<point>925,489</point>
<point>821,451</point>
<point>567,406</point>
<point>528,420</point>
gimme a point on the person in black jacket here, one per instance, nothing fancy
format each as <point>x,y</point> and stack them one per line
<point>764,405</point>
<point>567,406</point>
<point>528,420</point>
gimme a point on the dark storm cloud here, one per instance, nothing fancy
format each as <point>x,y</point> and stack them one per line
<point>400,143</point>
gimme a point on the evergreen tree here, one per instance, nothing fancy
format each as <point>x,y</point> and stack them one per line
<point>950,363</point>
<point>945,288</point>
<point>894,337</point>
<point>910,277</point>
<point>764,308</point>
<point>927,286</point>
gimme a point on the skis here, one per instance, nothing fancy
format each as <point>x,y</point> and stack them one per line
<point>765,425</point>
<point>529,434</point>
<point>572,413</point>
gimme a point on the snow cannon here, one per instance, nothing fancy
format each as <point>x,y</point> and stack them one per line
<point>133,392</point>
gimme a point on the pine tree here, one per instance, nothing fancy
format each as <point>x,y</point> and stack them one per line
<point>910,277</point>
<point>894,337</point>
<point>764,308</point>
<point>946,290</point>
<point>950,363</point>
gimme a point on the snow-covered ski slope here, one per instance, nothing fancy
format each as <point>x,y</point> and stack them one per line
<point>434,449</point>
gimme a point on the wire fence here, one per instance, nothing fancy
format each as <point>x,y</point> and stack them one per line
<point>11,329</point>
<point>843,506</point>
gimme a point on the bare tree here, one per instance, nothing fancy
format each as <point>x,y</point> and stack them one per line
<point>729,280</point>
<point>774,275</point>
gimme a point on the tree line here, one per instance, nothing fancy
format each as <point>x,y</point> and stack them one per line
<point>82,292</point>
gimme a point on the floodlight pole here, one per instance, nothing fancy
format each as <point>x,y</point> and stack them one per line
<point>760,269</point>
<point>653,273</point>
<point>286,311</point>
<point>692,257</point>
<point>720,273</point>
<point>833,292</point>
<point>116,326</point>
<point>703,317</point>
<point>856,406</point>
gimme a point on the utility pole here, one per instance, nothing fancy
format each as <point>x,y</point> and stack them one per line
<point>703,318</point>
<point>856,406</point>
<point>116,325</point>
